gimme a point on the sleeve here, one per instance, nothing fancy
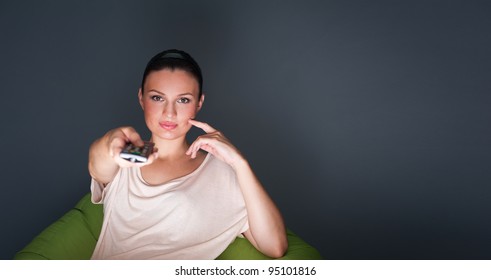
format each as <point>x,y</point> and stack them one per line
<point>245,227</point>
<point>99,190</point>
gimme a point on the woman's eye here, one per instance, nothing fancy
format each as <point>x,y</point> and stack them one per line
<point>157,98</point>
<point>183,100</point>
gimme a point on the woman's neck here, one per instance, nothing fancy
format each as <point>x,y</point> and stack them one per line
<point>170,149</point>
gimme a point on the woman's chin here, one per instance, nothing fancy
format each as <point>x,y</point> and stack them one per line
<point>170,134</point>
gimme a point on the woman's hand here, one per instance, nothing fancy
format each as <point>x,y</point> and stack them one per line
<point>117,140</point>
<point>215,143</point>
<point>104,159</point>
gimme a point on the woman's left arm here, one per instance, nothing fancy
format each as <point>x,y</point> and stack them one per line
<point>266,227</point>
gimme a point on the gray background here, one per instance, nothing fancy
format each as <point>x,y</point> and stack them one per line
<point>367,121</point>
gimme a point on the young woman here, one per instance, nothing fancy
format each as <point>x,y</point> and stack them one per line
<point>189,200</point>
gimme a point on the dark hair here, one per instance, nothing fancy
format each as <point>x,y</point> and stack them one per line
<point>174,59</point>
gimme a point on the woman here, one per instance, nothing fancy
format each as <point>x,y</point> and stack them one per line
<point>188,201</point>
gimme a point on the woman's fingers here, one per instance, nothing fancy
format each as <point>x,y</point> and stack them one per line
<point>132,136</point>
<point>215,143</point>
<point>204,126</point>
<point>119,138</point>
<point>195,146</point>
<point>126,163</point>
<point>210,142</point>
<point>204,147</point>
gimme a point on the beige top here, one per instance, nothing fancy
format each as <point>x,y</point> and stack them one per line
<point>193,217</point>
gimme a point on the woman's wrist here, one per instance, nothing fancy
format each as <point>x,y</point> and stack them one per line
<point>240,164</point>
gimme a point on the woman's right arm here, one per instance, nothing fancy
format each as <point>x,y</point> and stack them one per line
<point>104,160</point>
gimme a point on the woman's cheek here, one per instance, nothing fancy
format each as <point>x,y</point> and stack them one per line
<point>151,116</point>
<point>188,113</point>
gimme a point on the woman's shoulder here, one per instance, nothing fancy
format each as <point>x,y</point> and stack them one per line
<point>212,163</point>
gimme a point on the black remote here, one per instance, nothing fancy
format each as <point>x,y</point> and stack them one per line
<point>137,154</point>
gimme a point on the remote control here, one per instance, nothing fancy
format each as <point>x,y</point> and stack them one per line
<point>137,154</point>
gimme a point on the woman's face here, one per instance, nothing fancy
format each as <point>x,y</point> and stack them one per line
<point>169,101</point>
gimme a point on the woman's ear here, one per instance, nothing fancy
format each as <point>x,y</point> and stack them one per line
<point>140,98</point>
<point>200,102</point>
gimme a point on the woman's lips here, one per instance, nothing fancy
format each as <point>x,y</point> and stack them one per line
<point>168,125</point>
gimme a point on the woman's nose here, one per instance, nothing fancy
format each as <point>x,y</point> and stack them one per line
<point>169,110</point>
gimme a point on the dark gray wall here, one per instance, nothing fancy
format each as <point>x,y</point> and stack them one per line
<point>367,121</point>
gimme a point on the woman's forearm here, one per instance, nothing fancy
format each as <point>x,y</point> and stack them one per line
<point>265,221</point>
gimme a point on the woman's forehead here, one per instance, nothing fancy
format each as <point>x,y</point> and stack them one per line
<point>171,80</point>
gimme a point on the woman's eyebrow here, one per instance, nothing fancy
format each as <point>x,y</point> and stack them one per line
<point>156,91</point>
<point>161,93</point>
